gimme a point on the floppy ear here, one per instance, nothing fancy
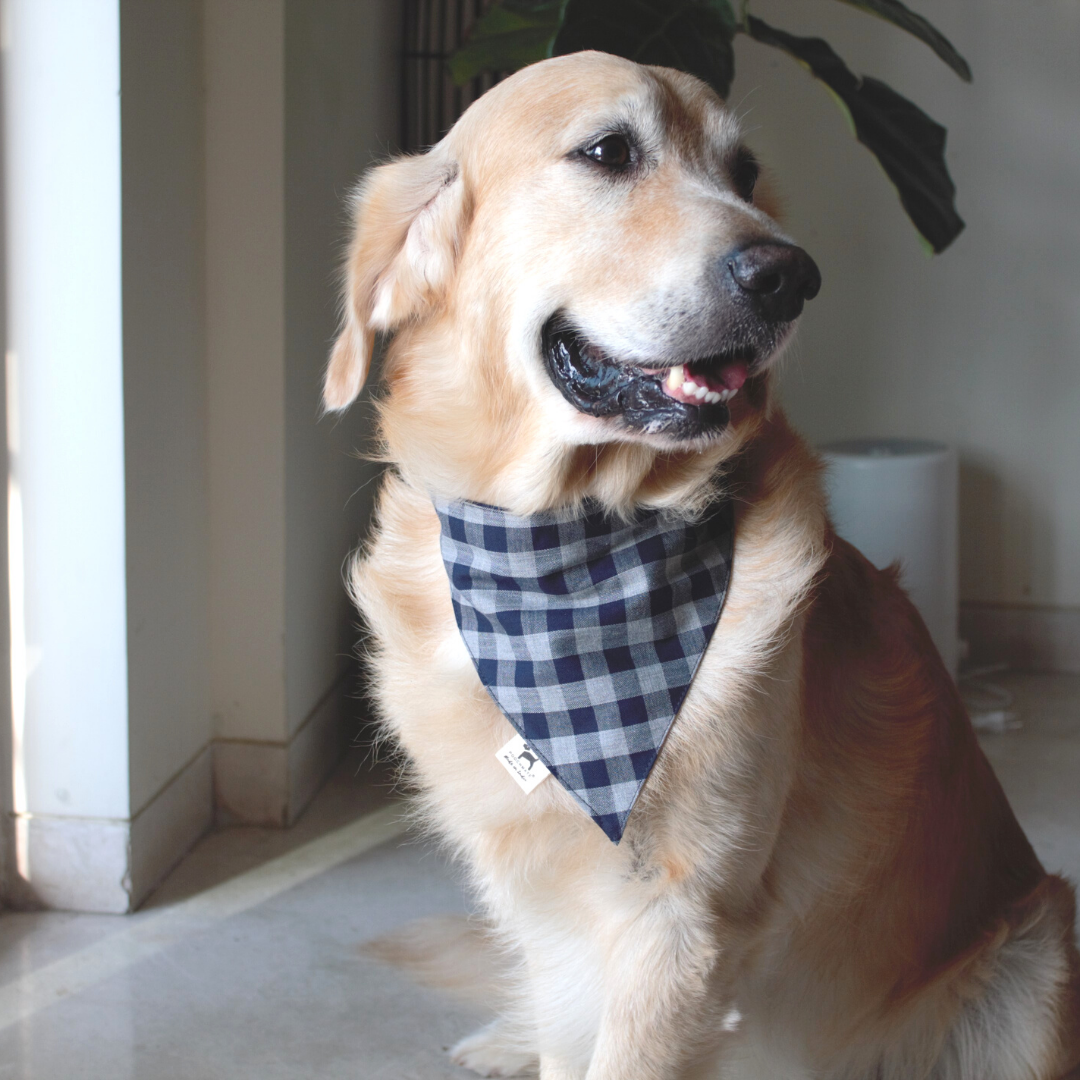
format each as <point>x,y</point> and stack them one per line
<point>409,220</point>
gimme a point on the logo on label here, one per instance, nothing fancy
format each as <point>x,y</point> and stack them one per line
<point>523,764</point>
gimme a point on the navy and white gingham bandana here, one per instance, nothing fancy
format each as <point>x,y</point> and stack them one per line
<point>587,632</point>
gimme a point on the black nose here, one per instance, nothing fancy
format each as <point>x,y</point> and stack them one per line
<point>776,278</point>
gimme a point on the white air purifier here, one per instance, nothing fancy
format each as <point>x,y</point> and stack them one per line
<point>896,501</point>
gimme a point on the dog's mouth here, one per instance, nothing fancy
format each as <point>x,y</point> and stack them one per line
<point>684,400</point>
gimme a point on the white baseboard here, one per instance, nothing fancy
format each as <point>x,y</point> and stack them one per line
<point>111,865</point>
<point>269,783</point>
<point>1024,638</point>
<point>167,828</point>
<point>70,864</point>
<point>104,865</point>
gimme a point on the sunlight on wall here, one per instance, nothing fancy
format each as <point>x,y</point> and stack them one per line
<point>63,375</point>
<point>16,607</point>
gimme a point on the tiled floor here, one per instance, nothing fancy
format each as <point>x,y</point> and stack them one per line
<point>245,963</point>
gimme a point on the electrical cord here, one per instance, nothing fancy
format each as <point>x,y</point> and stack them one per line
<point>988,705</point>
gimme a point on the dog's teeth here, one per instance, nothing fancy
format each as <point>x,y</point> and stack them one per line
<point>725,395</point>
<point>689,387</point>
<point>700,392</point>
<point>675,377</point>
<point>712,397</point>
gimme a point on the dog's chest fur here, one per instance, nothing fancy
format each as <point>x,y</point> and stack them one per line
<point>715,786</point>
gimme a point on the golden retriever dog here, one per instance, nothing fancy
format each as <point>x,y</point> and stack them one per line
<point>821,876</point>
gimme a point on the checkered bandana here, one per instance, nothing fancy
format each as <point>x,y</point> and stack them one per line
<point>587,632</point>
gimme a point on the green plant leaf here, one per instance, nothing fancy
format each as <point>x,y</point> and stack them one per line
<point>508,36</point>
<point>895,12</point>
<point>691,35</point>
<point>909,145</point>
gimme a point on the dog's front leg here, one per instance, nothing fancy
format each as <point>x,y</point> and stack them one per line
<point>552,1068</point>
<point>658,983</point>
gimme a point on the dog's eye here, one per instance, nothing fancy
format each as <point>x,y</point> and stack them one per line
<point>612,151</point>
<point>745,175</point>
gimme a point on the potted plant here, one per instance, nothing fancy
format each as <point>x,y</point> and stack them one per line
<point>697,36</point>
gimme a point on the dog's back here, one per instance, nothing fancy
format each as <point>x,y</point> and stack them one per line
<point>922,936</point>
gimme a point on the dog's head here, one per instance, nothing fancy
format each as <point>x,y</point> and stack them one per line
<point>583,287</point>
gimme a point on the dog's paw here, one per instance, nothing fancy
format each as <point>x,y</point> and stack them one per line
<point>494,1051</point>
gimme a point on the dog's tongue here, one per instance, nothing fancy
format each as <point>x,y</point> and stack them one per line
<point>733,375</point>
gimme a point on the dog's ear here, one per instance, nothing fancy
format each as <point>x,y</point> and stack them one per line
<point>409,221</point>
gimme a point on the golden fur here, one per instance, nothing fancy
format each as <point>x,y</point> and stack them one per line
<point>822,877</point>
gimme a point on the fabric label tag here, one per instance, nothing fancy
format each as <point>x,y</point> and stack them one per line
<point>518,759</point>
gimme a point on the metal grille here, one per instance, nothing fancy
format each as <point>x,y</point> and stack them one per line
<point>430,102</point>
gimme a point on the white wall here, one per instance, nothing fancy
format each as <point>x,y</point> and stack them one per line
<point>245,258</point>
<point>165,392</point>
<point>341,114</point>
<point>301,97</point>
<point>980,346</point>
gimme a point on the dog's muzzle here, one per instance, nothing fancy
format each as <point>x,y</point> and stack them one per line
<point>761,291</point>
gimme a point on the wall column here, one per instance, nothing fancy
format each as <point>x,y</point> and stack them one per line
<point>66,515</point>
